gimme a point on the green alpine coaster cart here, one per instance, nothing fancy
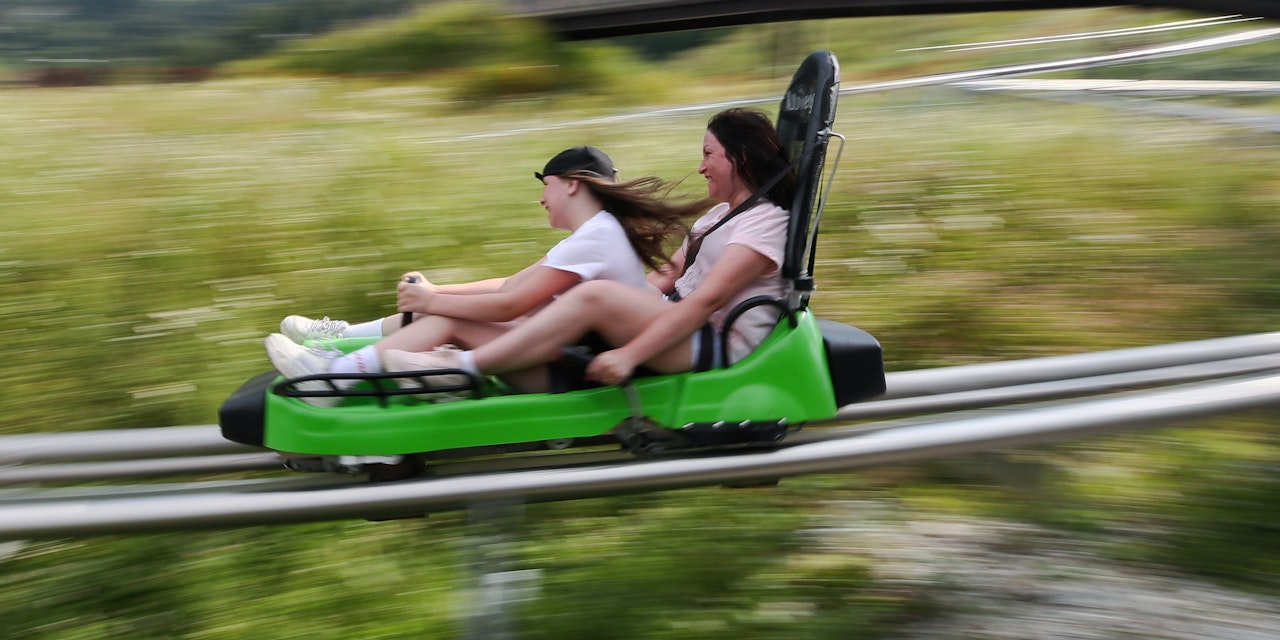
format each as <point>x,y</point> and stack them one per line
<point>803,372</point>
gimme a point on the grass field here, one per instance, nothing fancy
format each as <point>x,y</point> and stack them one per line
<point>154,234</point>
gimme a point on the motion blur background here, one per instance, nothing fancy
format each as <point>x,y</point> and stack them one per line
<point>180,174</point>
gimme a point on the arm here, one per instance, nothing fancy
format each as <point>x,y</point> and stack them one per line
<point>664,278</point>
<point>425,288</point>
<point>465,288</point>
<point>737,267</point>
<point>518,295</point>
<point>470,288</point>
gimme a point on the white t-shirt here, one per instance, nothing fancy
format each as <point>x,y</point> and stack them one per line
<point>599,250</point>
<point>763,229</point>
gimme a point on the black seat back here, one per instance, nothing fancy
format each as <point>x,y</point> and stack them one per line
<point>805,117</point>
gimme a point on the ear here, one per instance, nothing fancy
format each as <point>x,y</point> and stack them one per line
<point>571,186</point>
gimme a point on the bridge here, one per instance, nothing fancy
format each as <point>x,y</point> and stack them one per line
<point>587,19</point>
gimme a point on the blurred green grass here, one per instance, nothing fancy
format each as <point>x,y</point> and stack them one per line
<point>154,234</point>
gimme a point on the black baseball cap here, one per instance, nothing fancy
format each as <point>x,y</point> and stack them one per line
<point>578,159</point>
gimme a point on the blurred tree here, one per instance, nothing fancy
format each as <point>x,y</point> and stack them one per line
<point>101,9</point>
<point>660,46</point>
<point>166,33</point>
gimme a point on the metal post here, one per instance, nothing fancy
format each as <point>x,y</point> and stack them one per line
<point>492,530</point>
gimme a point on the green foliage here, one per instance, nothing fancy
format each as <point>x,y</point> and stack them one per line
<point>715,564</point>
<point>476,48</point>
<point>167,33</point>
<point>1202,502</point>
<point>1206,502</point>
<point>1228,526</point>
<point>442,36</point>
<point>280,582</point>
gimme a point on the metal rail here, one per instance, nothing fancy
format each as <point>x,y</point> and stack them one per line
<point>117,444</point>
<point>958,405</point>
<point>1235,39</point>
<point>123,453</point>
<point>923,382</point>
<point>1251,36</point>
<point>611,18</point>
<point>89,471</point>
<point>924,441</point>
<point>1062,388</point>
<point>294,482</point>
<point>1244,118</point>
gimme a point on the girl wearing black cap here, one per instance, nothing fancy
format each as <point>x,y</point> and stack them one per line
<point>617,229</point>
<point>728,258</point>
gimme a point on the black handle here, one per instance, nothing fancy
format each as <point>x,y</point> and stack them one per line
<point>408,315</point>
<point>577,357</point>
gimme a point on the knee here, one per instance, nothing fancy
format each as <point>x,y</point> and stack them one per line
<point>589,294</point>
<point>433,323</point>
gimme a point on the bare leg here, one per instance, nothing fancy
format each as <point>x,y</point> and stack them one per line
<point>429,332</point>
<point>432,331</point>
<point>615,311</point>
<point>392,324</point>
<point>395,322</point>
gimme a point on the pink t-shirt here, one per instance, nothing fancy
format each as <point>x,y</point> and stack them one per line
<point>763,229</point>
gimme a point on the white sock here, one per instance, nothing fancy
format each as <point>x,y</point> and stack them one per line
<point>363,360</point>
<point>370,329</point>
<point>467,362</point>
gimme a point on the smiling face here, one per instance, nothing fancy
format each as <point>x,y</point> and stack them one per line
<point>722,178</point>
<point>555,197</point>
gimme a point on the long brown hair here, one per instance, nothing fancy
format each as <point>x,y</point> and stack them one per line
<point>648,216</point>
<point>753,148</point>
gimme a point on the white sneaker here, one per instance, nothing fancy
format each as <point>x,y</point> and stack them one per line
<point>442,357</point>
<point>300,329</point>
<point>293,360</point>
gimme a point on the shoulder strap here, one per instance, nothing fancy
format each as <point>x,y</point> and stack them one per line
<point>695,244</point>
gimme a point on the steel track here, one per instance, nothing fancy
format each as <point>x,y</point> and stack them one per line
<point>909,392</point>
<point>28,511</point>
<point>927,440</point>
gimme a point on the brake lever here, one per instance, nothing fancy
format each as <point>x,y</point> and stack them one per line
<point>408,315</point>
<point>581,357</point>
